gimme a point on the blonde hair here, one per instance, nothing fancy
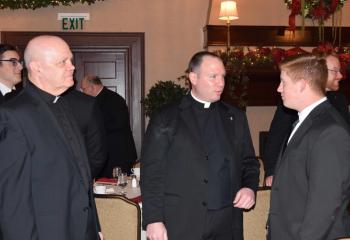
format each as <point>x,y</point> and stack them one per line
<point>308,67</point>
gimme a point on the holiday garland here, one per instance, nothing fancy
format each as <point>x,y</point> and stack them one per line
<point>34,4</point>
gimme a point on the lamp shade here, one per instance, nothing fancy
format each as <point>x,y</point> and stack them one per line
<point>228,11</point>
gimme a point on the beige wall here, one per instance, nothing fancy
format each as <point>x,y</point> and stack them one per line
<point>173,32</point>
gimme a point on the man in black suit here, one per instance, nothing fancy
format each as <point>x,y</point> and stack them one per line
<point>198,166</point>
<point>89,119</point>
<point>10,71</point>
<point>45,182</point>
<point>282,122</point>
<point>311,186</point>
<point>121,150</point>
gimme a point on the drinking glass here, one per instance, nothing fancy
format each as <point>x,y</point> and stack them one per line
<point>122,182</point>
<point>116,172</point>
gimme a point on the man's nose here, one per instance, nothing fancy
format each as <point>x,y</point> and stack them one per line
<point>279,88</point>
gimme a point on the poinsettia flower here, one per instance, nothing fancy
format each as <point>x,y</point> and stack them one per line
<point>294,51</point>
<point>323,48</point>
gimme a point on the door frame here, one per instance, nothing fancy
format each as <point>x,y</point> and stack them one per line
<point>99,40</point>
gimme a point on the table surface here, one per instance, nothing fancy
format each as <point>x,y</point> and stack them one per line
<point>113,189</point>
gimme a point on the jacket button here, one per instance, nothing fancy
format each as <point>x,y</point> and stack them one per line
<point>204,204</point>
<point>205,180</point>
<point>86,209</point>
<point>207,157</point>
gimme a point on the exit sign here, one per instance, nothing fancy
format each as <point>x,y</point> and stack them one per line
<point>73,21</point>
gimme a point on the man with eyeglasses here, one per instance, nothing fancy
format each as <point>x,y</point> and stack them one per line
<point>10,71</point>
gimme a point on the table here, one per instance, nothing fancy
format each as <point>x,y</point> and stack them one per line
<point>111,188</point>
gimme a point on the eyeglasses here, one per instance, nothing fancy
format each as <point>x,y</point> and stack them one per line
<point>334,70</point>
<point>15,62</point>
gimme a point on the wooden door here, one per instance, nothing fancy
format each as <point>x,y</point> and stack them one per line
<point>110,65</point>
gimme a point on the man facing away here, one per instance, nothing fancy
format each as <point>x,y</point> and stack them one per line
<point>10,71</point>
<point>121,150</point>
<point>45,182</point>
<point>198,166</point>
<point>311,185</point>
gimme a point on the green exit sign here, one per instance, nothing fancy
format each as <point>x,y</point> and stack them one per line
<point>73,21</point>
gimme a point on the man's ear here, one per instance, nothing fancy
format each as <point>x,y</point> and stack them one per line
<point>35,66</point>
<point>302,84</point>
<point>193,78</point>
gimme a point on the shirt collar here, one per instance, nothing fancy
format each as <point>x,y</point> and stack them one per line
<point>5,89</point>
<point>47,97</point>
<point>206,104</point>
<point>306,111</point>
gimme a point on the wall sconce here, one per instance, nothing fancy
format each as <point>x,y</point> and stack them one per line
<point>228,12</point>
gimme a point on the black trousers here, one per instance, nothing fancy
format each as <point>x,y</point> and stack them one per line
<point>218,224</point>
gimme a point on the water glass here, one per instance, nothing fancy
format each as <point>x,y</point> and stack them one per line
<point>116,172</point>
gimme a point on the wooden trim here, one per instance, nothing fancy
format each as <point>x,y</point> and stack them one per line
<point>216,35</point>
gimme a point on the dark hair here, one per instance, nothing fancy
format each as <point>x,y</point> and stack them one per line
<point>6,47</point>
<point>197,59</point>
<point>308,67</point>
<point>93,79</point>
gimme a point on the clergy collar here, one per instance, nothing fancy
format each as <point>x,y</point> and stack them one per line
<point>47,97</point>
<point>205,103</point>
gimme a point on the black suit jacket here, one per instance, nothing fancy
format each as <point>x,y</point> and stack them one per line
<point>10,95</point>
<point>174,168</point>
<point>45,185</point>
<point>2,98</point>
<point>89,119</point>
<point>281,126</point>
<point>311,185</point>
<point>121,149</point>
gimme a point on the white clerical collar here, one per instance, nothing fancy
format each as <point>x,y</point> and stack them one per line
<point>5,89</point>
<point>206,104</point>
<point>56,99</point>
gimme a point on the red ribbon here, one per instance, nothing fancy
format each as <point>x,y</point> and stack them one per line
<point>294,10</point>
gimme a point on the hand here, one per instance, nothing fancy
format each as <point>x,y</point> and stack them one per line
<point>245,198</point>
<point>268,181</point>
<point>156,231</point>
<point>100,235</point>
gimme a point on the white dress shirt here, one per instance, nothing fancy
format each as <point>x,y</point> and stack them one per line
<point>4,89</point>
<point>304,113</point>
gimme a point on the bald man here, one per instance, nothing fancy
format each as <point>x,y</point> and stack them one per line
<point>45,182</point>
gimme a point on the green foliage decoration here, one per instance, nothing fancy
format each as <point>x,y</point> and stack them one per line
<point>34,4</point>
<point>236,77</point>
<point>162,93</point>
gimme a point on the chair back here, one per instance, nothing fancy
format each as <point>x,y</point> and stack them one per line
<point>254,221</point>
<point>120,218</point>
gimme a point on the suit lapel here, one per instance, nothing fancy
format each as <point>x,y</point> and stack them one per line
<point>300,132</point>
<point>228,122</point>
